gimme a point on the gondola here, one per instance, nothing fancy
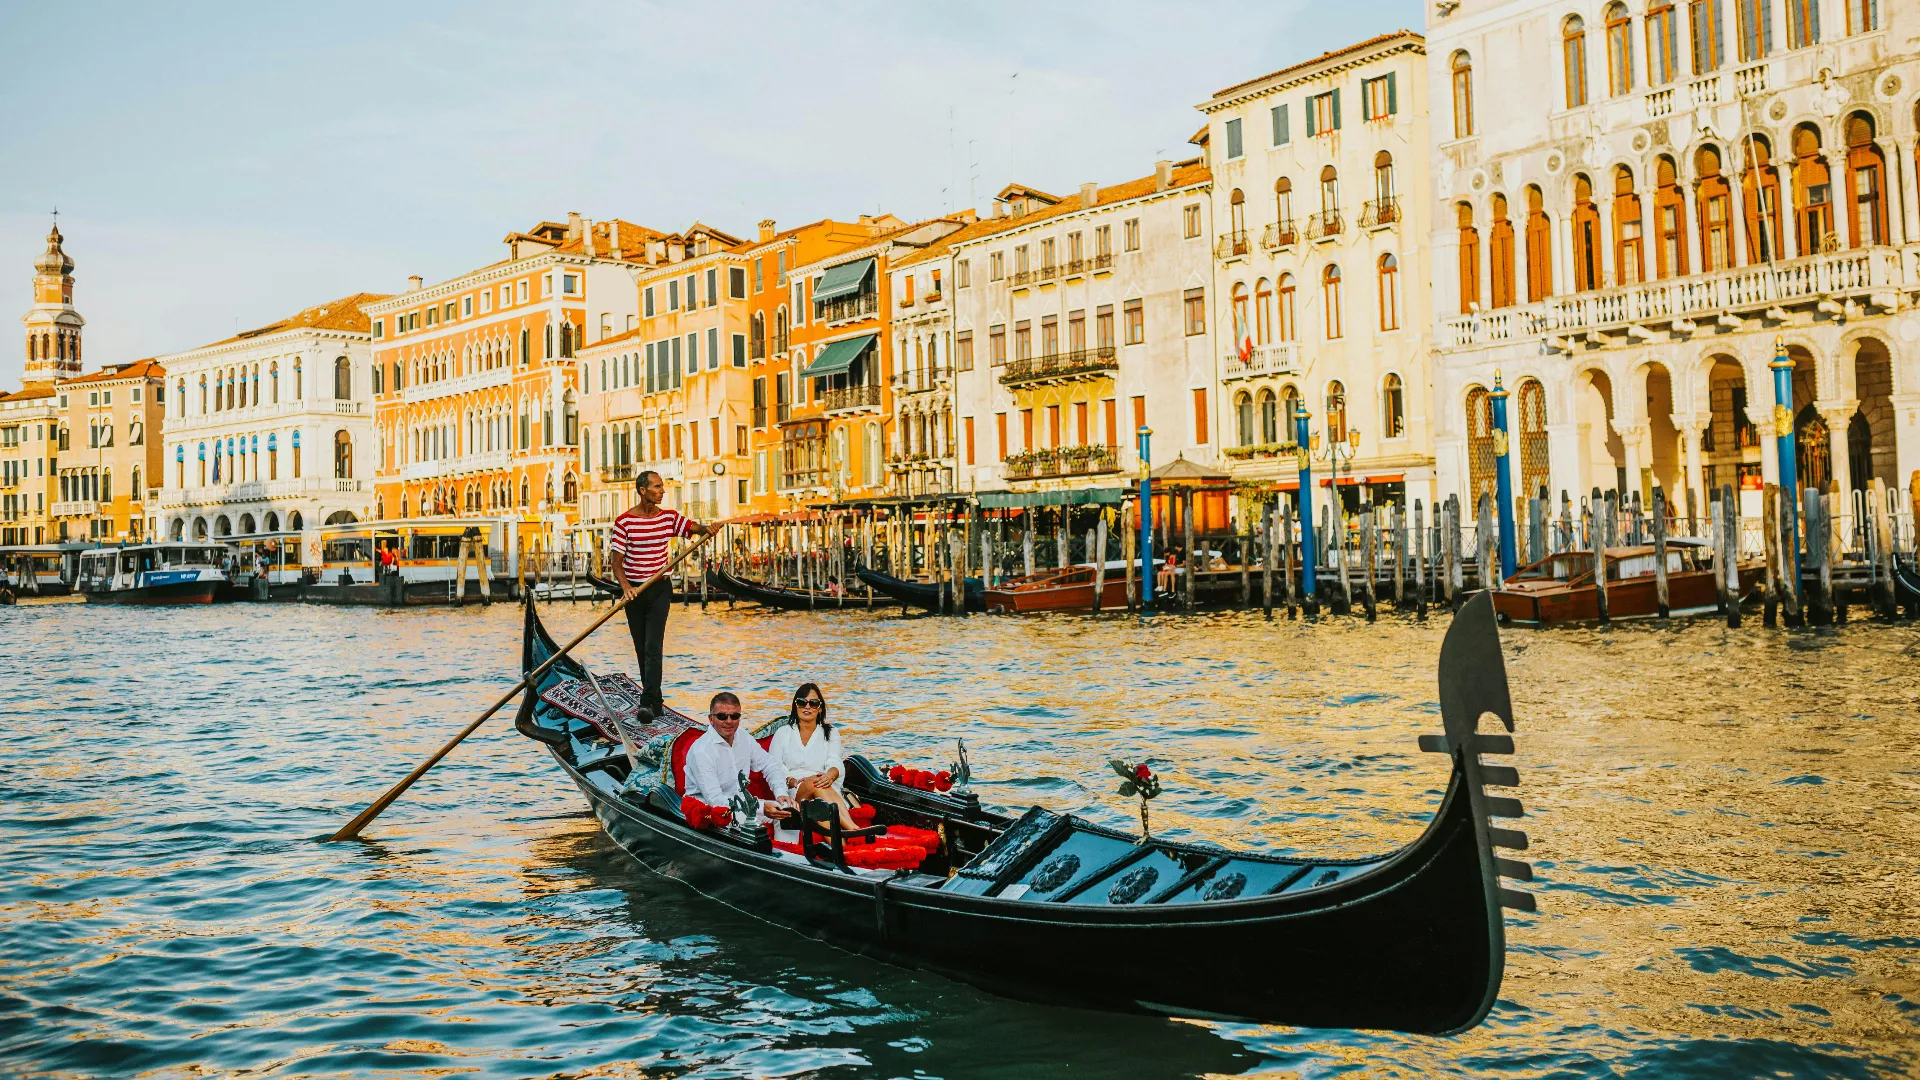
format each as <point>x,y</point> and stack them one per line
<point>779,596</point>
<point>922,594</point>
<point>1049,907</point>
<point>1906,587</point>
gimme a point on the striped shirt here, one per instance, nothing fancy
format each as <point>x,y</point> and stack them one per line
<point>642,541</point>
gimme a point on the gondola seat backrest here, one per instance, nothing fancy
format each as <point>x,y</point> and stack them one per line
<point>683,743</point>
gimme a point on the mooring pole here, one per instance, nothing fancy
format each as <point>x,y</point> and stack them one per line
<point>1502,481</point>
<point>1782,368</point>
<point>1146,519</point>
<point>1303,442</point>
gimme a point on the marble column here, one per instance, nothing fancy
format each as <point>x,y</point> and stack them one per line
<point>1838,415</point>
<point>1632,438</point>
<point>1789,239</point>
<point>1565,461</point>
<point>1897,188</point>
<point>1692,429</point>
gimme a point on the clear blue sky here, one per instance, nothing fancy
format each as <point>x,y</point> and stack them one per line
<point>219,167</point>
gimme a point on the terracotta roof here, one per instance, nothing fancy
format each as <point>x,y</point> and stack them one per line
<point>1185,173</point>
<point>1323,58</point>
<point>341,314</point>
<point>139,369</point>
<point>980,228</point>
<point>31,393</point>
<point>614,339</point>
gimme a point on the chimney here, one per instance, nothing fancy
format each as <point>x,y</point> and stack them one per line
<point>414,283</point>
<point>1162,175</point>
<point>999,208</point>
<point>1089,195</point>
<point>586,234</point>
<point>766,229</point>
<point>573,225</point>
<point>613,240</point>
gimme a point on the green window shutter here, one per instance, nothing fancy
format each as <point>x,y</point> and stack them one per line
<point>1336,108</point>
<point>1311,131</point>
<point>1280,133</point>
<point>1393,95</point>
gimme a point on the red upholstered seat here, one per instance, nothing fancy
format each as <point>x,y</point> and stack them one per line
<point>682,743</point>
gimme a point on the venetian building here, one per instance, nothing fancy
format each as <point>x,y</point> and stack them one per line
<point>52,325</point>
<point>1628,222</point>
<point>109,446</point>
<point>271,430</point>
<point>1320,268</point>
<point>924,442</point>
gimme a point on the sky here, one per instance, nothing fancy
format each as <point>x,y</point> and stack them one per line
<point>218,167</point>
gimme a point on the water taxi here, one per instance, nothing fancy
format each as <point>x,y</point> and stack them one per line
<point>164,573</point>
<point>40,569</point>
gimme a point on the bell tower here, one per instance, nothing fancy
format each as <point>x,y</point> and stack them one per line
<point>53,326</point>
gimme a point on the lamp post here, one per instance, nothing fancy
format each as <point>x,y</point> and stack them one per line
<point>1146,518</point>
<point>1503,477</point>
<point>1303,452</point>
<point>1783,441</point>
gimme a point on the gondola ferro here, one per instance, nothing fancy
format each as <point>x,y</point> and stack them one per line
<point>1048,907</point>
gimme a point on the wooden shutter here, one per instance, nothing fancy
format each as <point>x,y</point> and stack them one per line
<point>1336,108</point>
<point>1393,95</point>
<point>1312,128</point>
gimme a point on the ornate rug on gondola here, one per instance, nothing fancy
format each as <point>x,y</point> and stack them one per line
<point>617,700</point>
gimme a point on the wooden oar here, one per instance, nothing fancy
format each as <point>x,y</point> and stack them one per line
<point>352,828</point>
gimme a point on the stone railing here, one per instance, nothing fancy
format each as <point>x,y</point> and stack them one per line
<point>1064,365</point>
<point>1062,461</point>
<point>1282,358</point>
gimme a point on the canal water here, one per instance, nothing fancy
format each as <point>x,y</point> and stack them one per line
<point>1723,826</point>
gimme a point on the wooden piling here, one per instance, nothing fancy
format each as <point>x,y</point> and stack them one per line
<point>1370,550</point>
<point>1129,534</point>
<point>1482,542</point>
<point>1186,513</point>
<point>1266,561</point>
<point>1881,532</point>
<point>1602,528</point>
<point>1729,567</point>
<point>1536,529</point>
<point>1419,560</point>
<point>1820,605</point>
<point>1287,558</point>
<point>1400,556</point>
<point>1660,552</point>
<point>1770,545</point>
<point>1792,610</point>
<point>1026,540</point>
<point>1099,560</point>
<point>1246,565</point>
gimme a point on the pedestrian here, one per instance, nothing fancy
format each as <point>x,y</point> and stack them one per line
<point>640,538</point>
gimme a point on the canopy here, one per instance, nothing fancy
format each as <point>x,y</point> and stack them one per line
<point>842,280</point>
<point>999,500</point>
<point>1181,472</point>
<point>838,356</point>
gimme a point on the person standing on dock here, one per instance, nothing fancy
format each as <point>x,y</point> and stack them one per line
<point>640,538</point>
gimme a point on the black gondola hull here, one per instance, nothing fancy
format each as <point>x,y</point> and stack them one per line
<point>921,594</point>
<point>788,599</point>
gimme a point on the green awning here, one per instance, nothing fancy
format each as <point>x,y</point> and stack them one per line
<point>838,356</point>
<point>842,280</point>
<point>1001,500</point>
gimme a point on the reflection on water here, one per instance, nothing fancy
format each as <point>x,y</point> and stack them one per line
<point>1721,823</point>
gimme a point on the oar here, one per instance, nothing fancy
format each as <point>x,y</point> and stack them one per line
<point>352,828</point>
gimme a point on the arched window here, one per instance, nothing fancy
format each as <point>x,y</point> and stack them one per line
<point>1289,408</point>
<point>1715,200</point>
<point>569,489</point>
<point>1462,95</point>
<point>1389,268</point>
<point>1812,192</point>
<point>1586,236</point>
<point>1242,326</point>
<point>1539,247</point>
<point>1283,324</point>
<point>1573,54</point>
<point>342,455</point>
<point>342,380</point>
<point>1628,258</point>
<point>379,380</point>
<point>1269,418</point>
<point>1283,212</point>
<point>1863,16</point>
<point>1384,207</point>
<point>1336,411</point>
<point>1393,407</point>
<point>1469,258</point>
<point>1866,182</point>
<point>1263,312</point>
<point>1500,254</point>
<point>1619,50</point>
<point>1329,198</point>
<point>1530,403</point>
<point>1243,414</point>
<point>299,382</point>
<point>757,335</point>
<point>781,324</point>
<point>1237,228</point>
<point>1330,294</point>
<point>1669,220</point>
<point>1760,199</point>
<point>1480,459</point>
<point>1663,43</point>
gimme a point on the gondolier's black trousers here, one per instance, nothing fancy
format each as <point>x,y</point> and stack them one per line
<point>647,621</point>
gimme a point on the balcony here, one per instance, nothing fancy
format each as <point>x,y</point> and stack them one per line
<point>1324,225</point>
<point>615,474</point>
<point>780,342</point>
<point>757,348</point>
<point>347,408</point>
<point>1060,367</point>
<point>1660,103</point>
<point>1282,358</point>
<point>1867,275</point>
<point>1022,278</point>
<point>859,306</point>
<point>1704,91</point>
<point>1062,461</point>
<point>1380,212</point>
<point>1048,272</point>
<point>1232,245</point>
<point>1280,234</point>
<point>1103,261</point>
<point>1750,80</point>
<point>852,397</point>
<point>1078,267</point>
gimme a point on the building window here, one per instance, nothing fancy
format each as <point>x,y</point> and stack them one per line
<point>1389,292</point>
<point>1760,199</point>
<point>1462,96</point>
<point>1330,288</point>
<point>1586,236</point>
<point>1539,247</point>
<point>1629,267</point>
<point>963,274</point>
<point>1393,408</point>
<point>1234,148</point>
<point>1023,340</point>
<point>1323,113</point>
<point>1134,315</point>
<point>1195,302</point>
<point>1103,328</point>
<point>1283,324</point>
<point>342,456</point>
<point>1200,433</point>
<point>1662,44</point>
<point>1379,98</point>
<point>1715,200</point>
<point>1669,221</point>
<point>1709,49</point>
<point>963,351</point>
<point>646,301</point>
<point>1619,50</point>
<point>1500,254</point>
<point>1866,184</point>
<point>1803,23</point>
<point>1130,234</point>
<point>1336,412</point>
<point>1469,258</point>
<point>1102,244</point>
<point>1281,136</point>
<point>997,344</point>
<point>1863,16</point>
<point>1190,220</point>
<point>1573,54</point>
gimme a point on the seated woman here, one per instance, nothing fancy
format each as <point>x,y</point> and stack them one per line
<point>1169,571</point>
<point>808,750</point>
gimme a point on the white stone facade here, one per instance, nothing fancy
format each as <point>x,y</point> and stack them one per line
<point>1634,313</point>
<point>1320,265</point>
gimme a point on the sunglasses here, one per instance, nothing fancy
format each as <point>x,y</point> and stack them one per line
<point>725,715</point>
<point>809,703</point>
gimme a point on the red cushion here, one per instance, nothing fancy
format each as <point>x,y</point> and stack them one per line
<point>757,786</point>
<point>682,743</point>
<point>862,814</point>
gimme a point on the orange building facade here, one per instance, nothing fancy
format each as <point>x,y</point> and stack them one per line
<point>474,379</point>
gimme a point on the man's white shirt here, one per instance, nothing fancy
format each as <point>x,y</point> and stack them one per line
<point>714,767</point>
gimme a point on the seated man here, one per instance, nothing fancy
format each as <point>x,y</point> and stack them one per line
<point>719,758</point>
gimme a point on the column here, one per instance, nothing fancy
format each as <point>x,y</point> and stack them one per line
<point>1898,186</point>
<point>1631,436</point>
<point>1692,429</point>
<point>1742,255</point>
<point>1760,412</point>
<point>1565,461</point>
<point>1839,414</point>
<point>1841,195</point>
<point>1906,437</point>
<point>1789,239</point>
<point>1562,251</point>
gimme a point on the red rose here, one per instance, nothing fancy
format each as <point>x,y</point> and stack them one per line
<point>1142,773</point>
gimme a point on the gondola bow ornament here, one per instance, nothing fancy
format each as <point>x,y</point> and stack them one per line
<point>1137,780</point>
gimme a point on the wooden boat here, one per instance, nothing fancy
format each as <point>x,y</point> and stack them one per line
<point>778,596</point>
<point>922,594</point>
<point>1049,907</point>
<point>1066,589</point>
<point>1906,587</point>
<point>1560,587</point>
<point>169,573</point>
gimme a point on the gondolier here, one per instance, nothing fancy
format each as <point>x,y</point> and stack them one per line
<point>640,538</point>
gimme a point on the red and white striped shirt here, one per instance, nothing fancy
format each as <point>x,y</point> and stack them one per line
<point>642,541</point>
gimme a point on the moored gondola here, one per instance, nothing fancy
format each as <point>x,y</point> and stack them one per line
<point>922,594</point>
<point>1049,907</point>
<point>779,596</point>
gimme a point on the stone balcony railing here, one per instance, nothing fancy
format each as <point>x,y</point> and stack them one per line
<point>1282,358</point>
<point>1870,276</point>
<point>1060,367</point>
<point>1062,461</point>
<point>852,397</point>
<point>252,491</point>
